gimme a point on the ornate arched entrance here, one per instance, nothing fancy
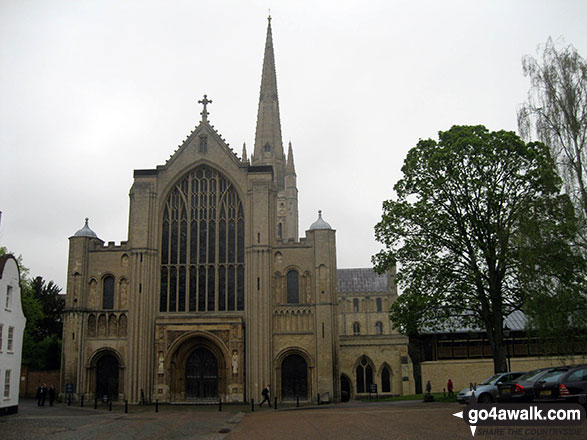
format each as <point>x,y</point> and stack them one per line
<point>107,370</point>
<point>201,375</point>
<point>198,368</point>
<point>294,378</point>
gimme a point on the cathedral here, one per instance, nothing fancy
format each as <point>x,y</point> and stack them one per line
<point>214,295</point>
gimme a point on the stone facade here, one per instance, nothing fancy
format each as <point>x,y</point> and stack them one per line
<point>214,295</point>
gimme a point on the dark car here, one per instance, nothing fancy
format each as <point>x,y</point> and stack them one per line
<point>521,389</point>
<point>567,384</point>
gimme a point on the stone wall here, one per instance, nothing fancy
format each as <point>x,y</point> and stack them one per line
<point>463,372</point>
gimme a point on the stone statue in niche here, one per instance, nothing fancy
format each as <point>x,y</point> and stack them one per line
<point>234,362</point>
<point>161,363</point>
<point>123,294</point>
<point>93,294</point>
<point>308,285</point>
<point>276,288</point>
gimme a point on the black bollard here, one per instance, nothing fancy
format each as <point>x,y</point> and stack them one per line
<point>252,405</point>
<point>318,398</point>
<point>126,406</point>
<point>69,400</point>
<point>275,403</point>
<point>298,401</point>
<point>110,405</point>
<point>157,405</point>
<point>82,401</point>
<point>96,403</point>
<point>220,404</point>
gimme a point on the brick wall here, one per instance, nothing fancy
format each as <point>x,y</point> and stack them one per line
<point>30,380</point>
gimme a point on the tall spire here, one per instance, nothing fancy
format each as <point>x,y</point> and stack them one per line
<point>290,167</point>
<point>268,142</point>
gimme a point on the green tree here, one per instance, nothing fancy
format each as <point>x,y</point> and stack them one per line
<point>43,308</point>
<point>478,225</point>
<point>556,112</point>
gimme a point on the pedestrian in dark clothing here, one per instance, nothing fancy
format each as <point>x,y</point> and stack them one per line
<point>38,395</point>
<point>265,394</point>
<point>51,395</point>
<point>428,387</point>
<point>41,395</point>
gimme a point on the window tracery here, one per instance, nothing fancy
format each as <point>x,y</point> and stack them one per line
<point>202,245</point>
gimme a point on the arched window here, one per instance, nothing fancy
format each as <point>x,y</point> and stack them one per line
<point>293,291</point>
<point>356,305</point>
<point>202,245</point>
<point>364,376</point>
<point>378,328</point>
<point>108,293</point>
<point>385,382</point>
<point>379,302</point>
<point>356,328</point>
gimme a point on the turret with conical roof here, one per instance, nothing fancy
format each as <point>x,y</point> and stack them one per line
<point>268,142</point>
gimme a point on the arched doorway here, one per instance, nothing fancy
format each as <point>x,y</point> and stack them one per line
<point>201,375</point>
<point>107,370</point>
<point>345,388</point>
<point>294,378</point>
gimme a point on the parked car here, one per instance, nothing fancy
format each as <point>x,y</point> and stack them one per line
<point>566,384</point>
<point>486,391</point>
<point>522,388</point>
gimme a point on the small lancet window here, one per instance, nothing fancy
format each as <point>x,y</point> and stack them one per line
<point>108,293</point>
<point>267,148</point>
<point>379,328</point>
<point>293,295</point>
<point>203,144</point>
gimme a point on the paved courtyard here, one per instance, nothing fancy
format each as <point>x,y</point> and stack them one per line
<point>353,420</point>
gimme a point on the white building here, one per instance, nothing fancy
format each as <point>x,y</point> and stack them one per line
<point>12,323</point>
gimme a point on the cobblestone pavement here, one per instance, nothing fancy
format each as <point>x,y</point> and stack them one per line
<point>142,422</point>
<point>353,420</point>
<point>374,421</point>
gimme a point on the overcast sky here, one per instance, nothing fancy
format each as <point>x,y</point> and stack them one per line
<point>91,90</point>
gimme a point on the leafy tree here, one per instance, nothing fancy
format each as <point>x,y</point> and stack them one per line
<point>478,226</point>
<point>52,306</point>
<point>556,110</point>
<point>43,308</point>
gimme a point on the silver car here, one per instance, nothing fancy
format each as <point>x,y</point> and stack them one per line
<point>486,391</point>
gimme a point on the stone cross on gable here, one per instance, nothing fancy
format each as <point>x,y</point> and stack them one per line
<point>205,102</point>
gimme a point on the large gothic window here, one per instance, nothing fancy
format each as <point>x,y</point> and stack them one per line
<point>364,376</point>
<point>203,245</point>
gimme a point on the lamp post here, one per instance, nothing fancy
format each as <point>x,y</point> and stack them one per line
<point>506,333</point>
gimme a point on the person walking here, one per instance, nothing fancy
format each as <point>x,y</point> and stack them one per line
<point>51,393</point>
<point>449,387</point>
<point>428,387</point>
<point>265,394</point>
<point>38,395</point>
<point>42,395</point>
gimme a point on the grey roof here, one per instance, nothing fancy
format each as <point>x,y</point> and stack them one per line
<point>319,224</point>
<point>86,231</point>
<point>360,280</point>
<point>515,321</point>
